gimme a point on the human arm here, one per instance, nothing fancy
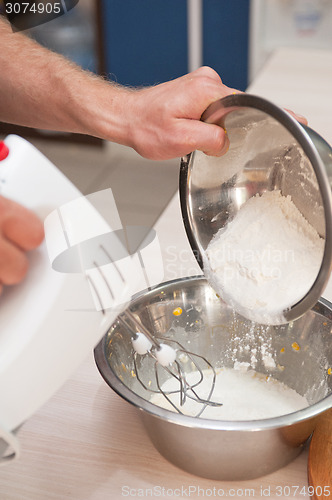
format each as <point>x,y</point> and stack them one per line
<point>44,90</point>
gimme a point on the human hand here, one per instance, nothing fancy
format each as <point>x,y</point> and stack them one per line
<point>20,231</point>
<point>299,118</point>
<point>165,119</point>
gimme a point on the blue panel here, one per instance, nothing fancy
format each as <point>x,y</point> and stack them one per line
<point>145,40</point>
<point>226,31</point>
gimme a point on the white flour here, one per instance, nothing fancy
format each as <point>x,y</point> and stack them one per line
<point>266,259</point>
<point>246,395</point>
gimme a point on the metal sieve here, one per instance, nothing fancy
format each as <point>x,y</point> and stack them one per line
<point>268,150</point>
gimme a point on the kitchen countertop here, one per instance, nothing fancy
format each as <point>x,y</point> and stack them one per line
<point>87,443</point>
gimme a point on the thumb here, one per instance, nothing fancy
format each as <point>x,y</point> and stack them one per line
<point>207,137</point>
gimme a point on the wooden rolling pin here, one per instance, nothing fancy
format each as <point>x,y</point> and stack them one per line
<point>320,458</point>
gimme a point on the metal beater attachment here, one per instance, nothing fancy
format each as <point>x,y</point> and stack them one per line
<point>166,355</point>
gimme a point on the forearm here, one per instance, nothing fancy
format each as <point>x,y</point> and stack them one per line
<point>44,90</point>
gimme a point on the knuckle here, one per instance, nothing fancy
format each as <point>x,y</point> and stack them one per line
<point>206,70</point>
<point>203,80</point>
<point>209,73</point>
<point>205,85</point>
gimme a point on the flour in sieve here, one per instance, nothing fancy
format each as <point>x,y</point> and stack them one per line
<point>266,259</point>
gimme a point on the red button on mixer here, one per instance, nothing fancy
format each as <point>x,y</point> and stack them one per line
<point>4,151</point>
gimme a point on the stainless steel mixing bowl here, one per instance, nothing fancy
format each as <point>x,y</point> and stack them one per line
<point>268,149</point>
<point>225,450</point>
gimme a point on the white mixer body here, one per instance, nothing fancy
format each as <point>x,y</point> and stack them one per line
<point>51,321</point>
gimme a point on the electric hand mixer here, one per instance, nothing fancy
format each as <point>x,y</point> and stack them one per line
<point>41,321</point>
<point>51,321</point>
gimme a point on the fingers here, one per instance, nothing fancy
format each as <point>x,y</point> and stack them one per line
<point>209,138</point>
<point>169,116</point>
<point>13,263</point>
<point>23,229</point>
<point>20,231</point>
<point>198,90</point>
<point>206,71</point>
<point>19,225</point>
<point>299,118</point>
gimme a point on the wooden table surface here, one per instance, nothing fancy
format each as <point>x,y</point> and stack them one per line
<point>87,443</point>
